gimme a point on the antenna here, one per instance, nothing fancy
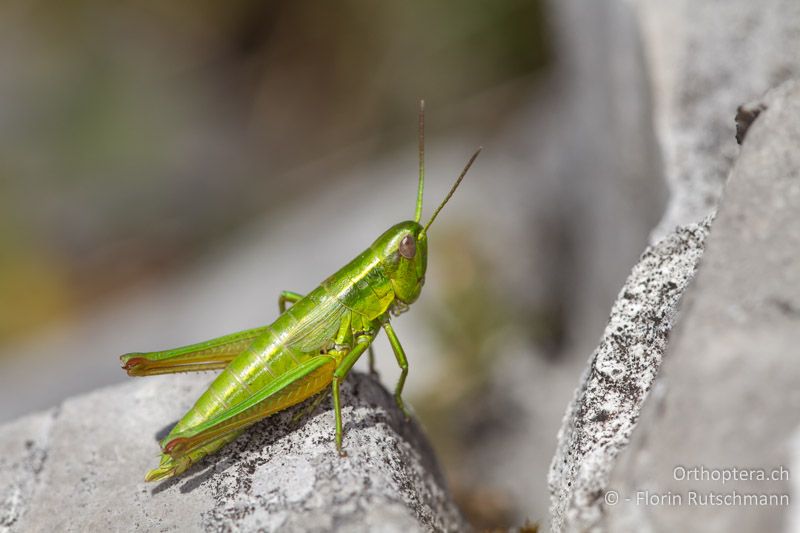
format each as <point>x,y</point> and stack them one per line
<point>421,185</point>
<point>452,189</point>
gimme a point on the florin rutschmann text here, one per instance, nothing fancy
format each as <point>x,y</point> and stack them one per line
<point>746,497</point>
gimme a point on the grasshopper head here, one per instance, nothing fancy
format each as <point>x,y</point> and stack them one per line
<point>404,253</point>
<point>403,248</point>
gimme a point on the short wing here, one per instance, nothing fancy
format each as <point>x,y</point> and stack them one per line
<point>214,354</point>
<point>289,389</point>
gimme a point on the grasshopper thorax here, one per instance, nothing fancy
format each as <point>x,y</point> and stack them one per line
<point>403,253</point>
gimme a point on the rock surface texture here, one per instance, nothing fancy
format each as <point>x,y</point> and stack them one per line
<point>730,387</point>
<point>80,467</point>
<point>621,371</point>
<point>706,59</point>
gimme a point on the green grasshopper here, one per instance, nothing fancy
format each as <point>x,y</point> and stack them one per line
<point>310,346</point>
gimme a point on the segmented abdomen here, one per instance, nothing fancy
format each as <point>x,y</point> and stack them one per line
<point>298,335</point>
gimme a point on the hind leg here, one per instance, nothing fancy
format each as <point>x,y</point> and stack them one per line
<point>310,408</point>
<point>214,354</point>
<point>170,466</point>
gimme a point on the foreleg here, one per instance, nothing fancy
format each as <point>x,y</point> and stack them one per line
<point>400,355</point>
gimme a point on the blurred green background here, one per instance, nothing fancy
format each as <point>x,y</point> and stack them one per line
<point>136,138</point>
<point>133,135</point>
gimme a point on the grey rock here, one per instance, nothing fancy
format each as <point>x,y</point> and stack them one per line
<point>729,394</point>
<point>620,373</point>
<point>80,467</point>
<point>23,453</point>
<point>706,58</point>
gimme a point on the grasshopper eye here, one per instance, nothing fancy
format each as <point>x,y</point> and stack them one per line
<point>408,247</point>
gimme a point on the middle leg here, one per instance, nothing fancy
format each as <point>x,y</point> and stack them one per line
<point>288,296</point>
<point>362,343</point>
